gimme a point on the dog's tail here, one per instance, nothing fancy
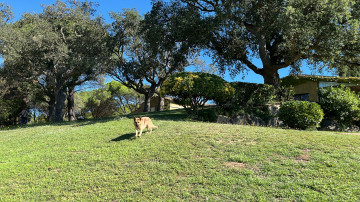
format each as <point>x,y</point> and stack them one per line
<point>155,127</point>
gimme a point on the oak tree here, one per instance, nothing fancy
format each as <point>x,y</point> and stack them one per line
<point>59,49</point>
<point>281,33</point>
<point>148,50</point>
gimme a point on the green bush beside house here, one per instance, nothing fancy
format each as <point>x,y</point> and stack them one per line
<point>340,104</point>
<point>301,114</point>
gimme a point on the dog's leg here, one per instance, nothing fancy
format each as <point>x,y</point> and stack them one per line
<point>140,132</point>
<point>136,133</point>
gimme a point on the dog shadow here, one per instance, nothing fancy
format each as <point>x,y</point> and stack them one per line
<point>129,136</point>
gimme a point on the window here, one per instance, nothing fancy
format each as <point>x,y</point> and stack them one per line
<point>302,97</point>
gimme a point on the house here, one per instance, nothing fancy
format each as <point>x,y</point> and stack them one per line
<point>154,104</point>
<point>306,87</point>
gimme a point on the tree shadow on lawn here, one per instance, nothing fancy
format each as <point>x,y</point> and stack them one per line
<point>128,136</point>
<point>169,115</point>
<point>76,123</point>
<point>85,122</point>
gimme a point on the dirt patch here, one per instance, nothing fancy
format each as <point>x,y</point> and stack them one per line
<point>350,133</point>
<point>250,143</point>
<point>229,141</point>
<point>304,157</point>
<point>220,141</point>
<point>56,170</point>
<point>78,152</point>
<point>235,165</point>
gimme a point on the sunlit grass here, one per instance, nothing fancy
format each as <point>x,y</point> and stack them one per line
<point>182,160</point>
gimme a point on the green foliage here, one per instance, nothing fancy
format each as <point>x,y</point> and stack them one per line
<point>60,48</point>
<point>293,80</point>
<point>81,99</point>
<point>148,50</point>
<point>301,114</point>
<point>261,112</point>
<point>341,104</point>
<point>281,33</point>
<point>207,115</point>
<point>111,99</point>
<point>5,14</point>
<point>193,90</point>
<point>9,111</point>
<point>100,103</point>
<point>14,97</point>
<point>128,100</point>
<point>248,96</point>
<point>285,93</point>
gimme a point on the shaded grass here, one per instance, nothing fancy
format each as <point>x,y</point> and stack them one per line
<point>182,160</point>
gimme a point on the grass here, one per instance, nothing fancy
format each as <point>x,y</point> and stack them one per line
<point>99,160</point>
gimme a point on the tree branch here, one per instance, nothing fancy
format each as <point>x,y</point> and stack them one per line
<point>298,55</point>
<point>263,48</point>
<point>210,8</point>
<point>62,34</point>
<point>250,65</point>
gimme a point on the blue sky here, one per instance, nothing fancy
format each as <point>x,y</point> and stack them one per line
<point>105,6</point>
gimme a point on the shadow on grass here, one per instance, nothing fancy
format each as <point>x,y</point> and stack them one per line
<point>90,121</point>
<point>64,123</point>
<point>128,136</point>
<point>169,115</point>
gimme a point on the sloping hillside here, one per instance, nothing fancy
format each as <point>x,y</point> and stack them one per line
<point>182,160</point>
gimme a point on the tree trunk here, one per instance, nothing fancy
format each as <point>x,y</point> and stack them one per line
<point>147,103</point>
<point>34,117</point>
<point>161,103</point>
<point>51,109</point>
<point>60,97</point>
<point>71,104</point>
<point>271,77</point>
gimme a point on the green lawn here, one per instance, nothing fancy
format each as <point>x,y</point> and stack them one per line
<point>99,160</point>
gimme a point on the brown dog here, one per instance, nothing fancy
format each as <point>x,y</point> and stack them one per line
<point>141,123</point>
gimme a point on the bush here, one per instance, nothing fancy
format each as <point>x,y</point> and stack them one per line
<point>207,115</point>
<point>301,114</point>
<point>9,111</point>
<point>285,93</point>
<point>193,90</point>
<point>248,97</point>
<point>341,104</point>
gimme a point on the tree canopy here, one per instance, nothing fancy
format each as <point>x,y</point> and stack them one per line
<point>5,14</point>
<point>147,51</point>
<point>281,33</point>
<point>47,55</point>
<point>58,49</point>
<point>193,89</point>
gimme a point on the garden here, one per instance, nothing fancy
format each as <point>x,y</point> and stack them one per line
<point>263,105</point>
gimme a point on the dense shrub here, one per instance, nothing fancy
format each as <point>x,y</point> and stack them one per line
<point>285,93</point>
<point>100,103</point>
<point>251,94</point>
<point>341,104</point>
<point>193,90</point>
<point>301,114</point>
<point>9,111</point>
<point>207,115</point>
<point>248,98</point>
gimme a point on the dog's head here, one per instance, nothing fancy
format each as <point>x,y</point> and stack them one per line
<point>137,121</point>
